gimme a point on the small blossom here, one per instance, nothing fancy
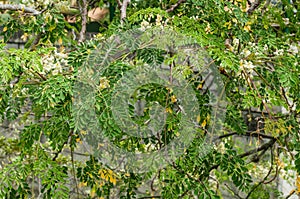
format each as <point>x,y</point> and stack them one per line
<point>286,21</point>
<point>236,41</point>
<point>294,49</point>
<point>145,25</point>
<point>221,148</point>
<point>278,52</point>
<point>207,29</point>
<point>248,65</point>
<point>246,52</point>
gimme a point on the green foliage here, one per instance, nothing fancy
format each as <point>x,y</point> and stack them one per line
<point>256,54</point>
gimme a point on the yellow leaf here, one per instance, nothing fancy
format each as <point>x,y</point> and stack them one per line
<point>247,28</point>
<point>60,41</point>
<point>113,180</point>
<point>279,163</point>
<point>52,28</point>
<point>5,29</point>
<point>169,110</point>
<point>199,86</point>
<point>82,184</point>
<point>93,192</point>
<point>203,124</point>
<point>102,175</point>
<point>198,118</point>
<point>91,176</point>
<point>173,99</point>
<point>298,184</point>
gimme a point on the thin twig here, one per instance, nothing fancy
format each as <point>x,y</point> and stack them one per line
<point>262,181</point>
<point>292,193</point>
<point>173,7</point>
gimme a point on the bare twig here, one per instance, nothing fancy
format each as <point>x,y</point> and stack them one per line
<point>20,8</point>
<point>123,9</point>
<point>262,181</point>
<point>173,7</point>
<point>83,11</point>
<point>291,193</point>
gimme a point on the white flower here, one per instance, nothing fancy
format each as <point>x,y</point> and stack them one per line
<point>251,44</point>
<point>158,20</point>
<point>266,47</point>
<point>221,148</point>
<point>145,25</point>
<point>236,41</point>
<point>278,52</point>
<point>294,49</point>
<point>286,21</point>
<point>248,65</point>
<point>246,52</point>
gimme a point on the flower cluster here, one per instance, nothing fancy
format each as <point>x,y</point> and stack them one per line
<point>158,22</point>
<point>54,63</point>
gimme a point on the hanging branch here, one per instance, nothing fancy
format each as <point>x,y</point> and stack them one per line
<point>20,8</point>
<point>83,5</point>
<point>173,7</point>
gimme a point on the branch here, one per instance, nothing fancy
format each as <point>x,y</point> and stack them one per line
<point>83,11</point>
<point>123,9</point>
<point>261,148</point>
<point>173,7</point>
<point>291,193</point>
<point>20,8</point>
<point>249,133</point>
<point>262,181</point>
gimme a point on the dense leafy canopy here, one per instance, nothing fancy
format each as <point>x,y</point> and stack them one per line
<point>254,46</point>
